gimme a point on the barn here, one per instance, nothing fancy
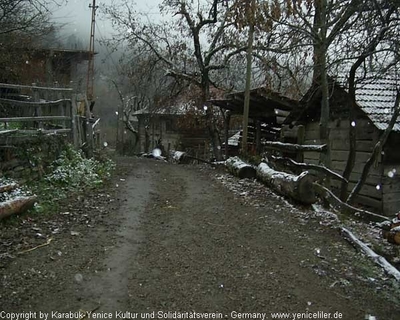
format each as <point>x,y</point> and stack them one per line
<point>375,101</point>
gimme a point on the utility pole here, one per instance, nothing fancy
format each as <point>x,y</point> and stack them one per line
<point>90,74</point>
<point>246,107</point>
<point>89,101</point>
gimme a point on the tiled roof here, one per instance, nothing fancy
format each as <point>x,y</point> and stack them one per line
<point>377,98</point>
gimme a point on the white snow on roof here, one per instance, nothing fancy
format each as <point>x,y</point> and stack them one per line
<point>376,98</point>
<point>180,109</point>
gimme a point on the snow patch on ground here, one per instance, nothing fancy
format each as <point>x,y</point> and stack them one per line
<point>17,192</point>
<point>257,194</point>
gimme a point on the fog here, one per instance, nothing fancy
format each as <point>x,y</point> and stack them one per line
<point>74,18</point>
<point>74,22</point>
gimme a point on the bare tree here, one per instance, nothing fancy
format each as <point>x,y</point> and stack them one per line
<point>192,49</point>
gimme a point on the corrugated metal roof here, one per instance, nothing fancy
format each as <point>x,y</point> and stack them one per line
<point>377,98</point>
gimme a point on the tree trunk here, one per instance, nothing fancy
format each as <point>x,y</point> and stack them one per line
<point>320,76</point>
<point>16,206</point>
<point>214,134</point>
<point>299,187</point>
<point>240,168</point>
<point>249,59</point>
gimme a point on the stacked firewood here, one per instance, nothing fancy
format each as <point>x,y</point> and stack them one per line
<point>391,230</point>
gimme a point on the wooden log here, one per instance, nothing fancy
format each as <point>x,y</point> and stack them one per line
<point>294,147</point>
<point>391,230</point>
<point>180,157</point>
<point>298,187</point>
<point>8,187</point>
<point>240,168</point>
<point>393,236</point>
<point>381,261</point>
<point>16,206</point>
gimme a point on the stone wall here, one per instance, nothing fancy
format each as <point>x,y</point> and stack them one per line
<point>28,158</point>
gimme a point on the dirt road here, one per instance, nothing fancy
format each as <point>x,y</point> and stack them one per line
<point>173,241</point>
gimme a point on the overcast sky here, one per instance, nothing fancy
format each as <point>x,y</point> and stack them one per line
<point>76,14</point>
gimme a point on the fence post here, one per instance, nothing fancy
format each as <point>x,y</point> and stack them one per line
<point>38,109</point>
<point>74,122</point>
<point>89,130</point>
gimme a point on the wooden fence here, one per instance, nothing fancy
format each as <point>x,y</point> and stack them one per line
<point>31,110</point>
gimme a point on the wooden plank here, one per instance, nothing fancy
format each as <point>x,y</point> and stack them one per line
<point>391,208</point>
<point>42,118</point>
<point>41,131</point>
<point>311,134</point>
<point>34,103</point>
<point>363,198</point>
<point>369,187</point>
<point>288,132</point>
<point>367,190</point>
<point>369,202</point>
<point>38,110</point>
<point>6,132</point>
<point>313,141</point>
<point>358,167</point>
<point>373,179</point>
<point>391,185</point>
<point>391,197</point>
<point>361,157</point>
<point>342,134</point>
<point>18,86</point>
<point>311,156</point>
<point>361,145</point>
<point>312,161</point>
<point>74,122</point>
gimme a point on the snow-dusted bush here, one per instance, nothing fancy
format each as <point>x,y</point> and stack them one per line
<point>71,171</point>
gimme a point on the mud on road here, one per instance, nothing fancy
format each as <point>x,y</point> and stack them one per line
<point>162,237</point>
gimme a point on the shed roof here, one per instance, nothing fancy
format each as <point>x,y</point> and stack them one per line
<point>175,110</point>
<point>264,104</point>
<point>374,97</point>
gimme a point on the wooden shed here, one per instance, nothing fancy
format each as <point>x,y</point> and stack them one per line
<point>48,67</point>
<point>267,111</point>
<point>375,102</point>
<point>171,128</point>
